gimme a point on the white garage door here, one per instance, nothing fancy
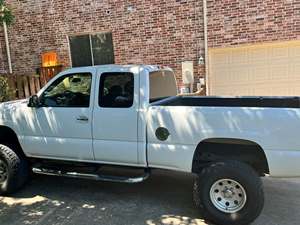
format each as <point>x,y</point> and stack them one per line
<point>267,70</point>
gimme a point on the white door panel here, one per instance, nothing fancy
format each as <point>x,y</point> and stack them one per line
<point>112,151</point>
<point>63,122</point>
<point>69,148</point>
<point>115,135</point>
<point>115,128</point>
<point>115,124</point>
<point>62,126</point>
<point>62,134</point>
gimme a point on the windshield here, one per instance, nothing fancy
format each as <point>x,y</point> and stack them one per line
<point>162,85</point>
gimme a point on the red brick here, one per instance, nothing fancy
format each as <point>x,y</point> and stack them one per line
<point>156,32</point>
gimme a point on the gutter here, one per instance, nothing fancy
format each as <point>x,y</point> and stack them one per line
<point>7,47</point>
<point>206,47</point>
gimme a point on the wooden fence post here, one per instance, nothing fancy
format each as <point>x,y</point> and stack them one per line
<point>24,86</point>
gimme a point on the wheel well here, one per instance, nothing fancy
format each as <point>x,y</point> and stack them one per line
<point>218,149</point>
<point>9,137</point>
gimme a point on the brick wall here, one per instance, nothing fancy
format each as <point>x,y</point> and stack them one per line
<point>233,22</point>
<point>164,32</point>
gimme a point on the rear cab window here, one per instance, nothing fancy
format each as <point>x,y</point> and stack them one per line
<point>116,90</point>
<point>162,85</point>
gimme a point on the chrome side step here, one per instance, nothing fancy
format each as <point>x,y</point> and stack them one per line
<point>96,177</point>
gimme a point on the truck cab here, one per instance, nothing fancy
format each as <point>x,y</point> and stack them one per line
<point>95,114</point>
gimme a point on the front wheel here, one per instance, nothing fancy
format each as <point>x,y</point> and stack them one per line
<point>229,193</point>
<point>13,170</point>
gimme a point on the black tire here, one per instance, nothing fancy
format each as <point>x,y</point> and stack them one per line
<point>16,167</point>
<point>236,171</point>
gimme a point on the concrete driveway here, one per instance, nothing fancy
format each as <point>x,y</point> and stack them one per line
<point>166,198</point>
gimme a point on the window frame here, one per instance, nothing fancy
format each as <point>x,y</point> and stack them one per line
<point>63,77</point>
<point>101,87</point>
<point>91,46</point>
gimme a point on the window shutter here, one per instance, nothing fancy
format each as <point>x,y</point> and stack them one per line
<point>103,51</point>
<point>80,50</point>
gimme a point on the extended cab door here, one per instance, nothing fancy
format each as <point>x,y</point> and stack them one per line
<point>115,118</point>
<point>63,122</point>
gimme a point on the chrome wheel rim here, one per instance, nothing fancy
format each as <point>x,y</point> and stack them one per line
<point>228,195</point>
<point>3,172</point>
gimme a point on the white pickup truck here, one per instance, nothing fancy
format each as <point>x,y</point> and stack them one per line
<point>131,116</point>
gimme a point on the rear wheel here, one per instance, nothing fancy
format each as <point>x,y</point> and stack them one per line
<point>13,170</point>
<point>229,193</point>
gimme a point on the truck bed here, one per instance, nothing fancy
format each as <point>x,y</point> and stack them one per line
<point>263,102</point>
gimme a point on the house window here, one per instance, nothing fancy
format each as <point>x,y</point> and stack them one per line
<point>92,49</point>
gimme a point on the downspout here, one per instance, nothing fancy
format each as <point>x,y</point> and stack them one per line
<point>7,47</point>
<point>206,47</point>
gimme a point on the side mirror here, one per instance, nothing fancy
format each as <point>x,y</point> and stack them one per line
<point>34,101</point>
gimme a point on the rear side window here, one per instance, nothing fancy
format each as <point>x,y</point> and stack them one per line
<point>116,90</point>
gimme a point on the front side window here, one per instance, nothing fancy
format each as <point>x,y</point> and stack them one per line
<point>116,90</point>
<point>68,91</point>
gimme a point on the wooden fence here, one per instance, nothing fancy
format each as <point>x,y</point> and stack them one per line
<point>23,86</point>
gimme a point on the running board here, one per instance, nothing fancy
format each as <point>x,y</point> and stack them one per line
<point>96,177</point>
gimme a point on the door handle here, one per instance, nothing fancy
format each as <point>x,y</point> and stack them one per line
<point>82,118</point>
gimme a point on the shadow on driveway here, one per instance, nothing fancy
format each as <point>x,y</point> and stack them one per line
<point>166,198</point>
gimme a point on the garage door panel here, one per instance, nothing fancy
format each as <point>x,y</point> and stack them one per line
<point>295,51</point>
<point>241,56</point>
<point>280,72</point>
<point>221,75</point>
<point>221,58</point>
<point>239,75</point>
<point>294,70</point>
<point>279,52</point>
<point>258,55</point>
<point>260,90</point>
<point>259,73</point>
<point>270,70</point>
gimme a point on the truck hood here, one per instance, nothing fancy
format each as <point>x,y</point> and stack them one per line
<point>9,110</point>
<point>10,104</point>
